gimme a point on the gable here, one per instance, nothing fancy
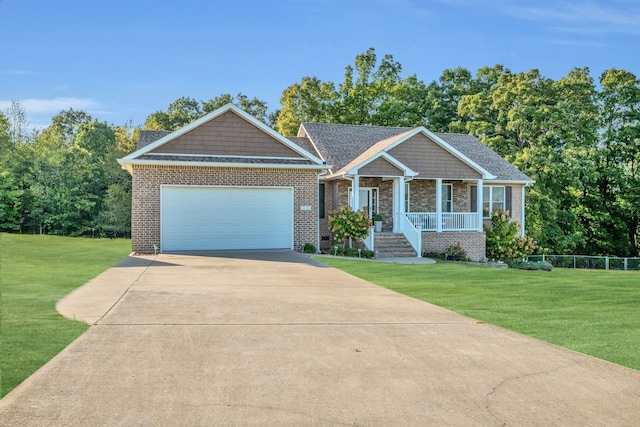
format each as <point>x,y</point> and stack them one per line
<point>430,160</point>
<point>227,135</point>
<point>380,167</point>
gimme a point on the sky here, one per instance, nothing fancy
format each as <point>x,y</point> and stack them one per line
<point>122,60</point>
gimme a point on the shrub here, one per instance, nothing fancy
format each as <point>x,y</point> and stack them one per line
<point>434,255</point>
<point>503,241</point>
<point>456,253</point>
<point>531,265</point>
<point>337,250</point>
<point>340,250</point>
<point>351,252</point>
<point>309,249</point>
<point>346,224</point>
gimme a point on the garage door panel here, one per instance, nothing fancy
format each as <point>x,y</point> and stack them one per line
<point>209,218</point>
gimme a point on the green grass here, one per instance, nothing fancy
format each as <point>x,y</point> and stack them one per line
<point>594,312</point>
<point>36,272</point>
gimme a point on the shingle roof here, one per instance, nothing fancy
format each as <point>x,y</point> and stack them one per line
<point>484,156</point>
<point>339,145</point>
<point>149,136</point>
<point>305,143</point>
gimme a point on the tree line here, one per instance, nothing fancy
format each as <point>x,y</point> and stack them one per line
<point>578,138</point>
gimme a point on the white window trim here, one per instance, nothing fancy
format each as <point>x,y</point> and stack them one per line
<point>490,198</point>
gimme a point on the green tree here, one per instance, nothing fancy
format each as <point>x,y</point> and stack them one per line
<point>185,110</point>
<point>180,113</point>
<point>542,126</point>
<point>115,216</point>
<point>253,106</point>
<point>372,92</point>
<point>311,100</point>
<point>619,161</point>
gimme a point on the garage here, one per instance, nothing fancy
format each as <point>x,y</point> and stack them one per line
<point>222,217</point>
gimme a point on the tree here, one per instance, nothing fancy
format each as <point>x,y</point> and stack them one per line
<point>185,110</point>
<point>253,106</point>
<point>442,98</point>
<point>371,93</point>
<point>619,161</point>
<point>311,100</point>
<point>10,202</point>
<point>180,113</point>
<point>115,216</point>
<point>539,125</point>
<point>18,124</point>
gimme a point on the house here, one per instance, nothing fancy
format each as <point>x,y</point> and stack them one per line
<point>228,181</point>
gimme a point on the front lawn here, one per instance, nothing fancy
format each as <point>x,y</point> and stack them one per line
<point>35,272</point>
<point>591,311</point>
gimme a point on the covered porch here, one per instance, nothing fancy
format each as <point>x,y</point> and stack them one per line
<point>414,207</point>
<point>428,205</point>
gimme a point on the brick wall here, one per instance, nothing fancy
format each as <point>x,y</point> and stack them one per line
<point>472,242</point>
<point>145,215</point>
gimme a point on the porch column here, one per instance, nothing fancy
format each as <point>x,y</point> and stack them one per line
<point>439,205</point>
<point>355,193</point>
<point>398,202</point>
<point>480,206</point>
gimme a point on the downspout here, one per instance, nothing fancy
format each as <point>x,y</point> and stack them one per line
<point>522,211</point>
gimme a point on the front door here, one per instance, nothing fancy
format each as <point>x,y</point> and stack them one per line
<point>368,201</point>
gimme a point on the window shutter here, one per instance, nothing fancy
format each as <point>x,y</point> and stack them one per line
<point>321,201</point>
<point>507,201</point>
<point>474,198</point>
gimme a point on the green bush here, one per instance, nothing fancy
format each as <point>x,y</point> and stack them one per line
<point>340,250</point>
<point>309,249</point>
<point>503,241</point>
<point>531,265</point>
<point>456,253</point>
<point>346,224</point>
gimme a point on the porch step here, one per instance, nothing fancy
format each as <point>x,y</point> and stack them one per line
<point>393,245</point>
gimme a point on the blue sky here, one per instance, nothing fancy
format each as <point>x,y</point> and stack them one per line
<point>123,60</point>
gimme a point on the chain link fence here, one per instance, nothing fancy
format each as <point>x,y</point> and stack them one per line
<point>589,262</point>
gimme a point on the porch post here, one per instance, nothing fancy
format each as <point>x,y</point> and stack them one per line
<point>398,197</point>
<point>439,205</point>
<point>355,193</point>
<point>480,206</point>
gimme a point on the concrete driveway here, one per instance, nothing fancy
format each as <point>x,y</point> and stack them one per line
<point>273,338</point>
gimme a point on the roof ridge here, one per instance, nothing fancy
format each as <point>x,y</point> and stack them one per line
<point>368,126</point>
<point>455,133</point>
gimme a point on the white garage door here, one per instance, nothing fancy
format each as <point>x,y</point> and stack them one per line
<point>213,218</point>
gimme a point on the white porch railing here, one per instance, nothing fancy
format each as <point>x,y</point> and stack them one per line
<point>412,234</point>
<point>451,221</point>
<point>368,241</point>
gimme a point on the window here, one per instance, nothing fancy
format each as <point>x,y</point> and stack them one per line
<point>447,198</point>
<point>407,198</point>
<point>492,198</point>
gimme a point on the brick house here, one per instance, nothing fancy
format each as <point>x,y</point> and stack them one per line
<point>227,181</point>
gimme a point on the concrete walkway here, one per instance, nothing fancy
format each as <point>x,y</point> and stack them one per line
<point>275,339</point>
